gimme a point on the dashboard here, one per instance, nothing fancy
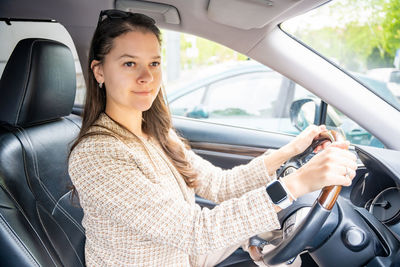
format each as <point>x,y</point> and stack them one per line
<point>377,185</point>
<point>363,228</point>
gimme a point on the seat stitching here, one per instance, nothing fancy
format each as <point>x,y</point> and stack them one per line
<point>66,236</point>
<point>18,240</point>
<point>42,185</point>
<point>22,132</point>
<point>26,218</point>
<point>73,122</point>
<point>26,83</point>
<point>35,167</point>
<point>81,229</point>
<point>66,213</point>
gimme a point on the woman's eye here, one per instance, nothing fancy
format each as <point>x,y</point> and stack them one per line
<point>129,64</point>
<point>155,64</point>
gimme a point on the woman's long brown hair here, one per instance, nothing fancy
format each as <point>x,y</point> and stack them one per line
<point>157,120</point>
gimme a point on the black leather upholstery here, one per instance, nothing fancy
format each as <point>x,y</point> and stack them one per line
<point>40,224</point>
<point>38,83</point>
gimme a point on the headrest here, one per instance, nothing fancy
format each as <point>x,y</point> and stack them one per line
<point>38,83</point>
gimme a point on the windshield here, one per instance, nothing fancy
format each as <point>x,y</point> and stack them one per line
<point>362,37</point>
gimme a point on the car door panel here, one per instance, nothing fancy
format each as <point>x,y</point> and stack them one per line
<point>213,133</point>
<point>227,146</point>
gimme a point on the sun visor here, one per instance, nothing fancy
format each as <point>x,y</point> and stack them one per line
<point>159,12</point>
<point>248,14</point>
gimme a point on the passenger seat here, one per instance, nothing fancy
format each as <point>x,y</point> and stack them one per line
<point>40,224</point>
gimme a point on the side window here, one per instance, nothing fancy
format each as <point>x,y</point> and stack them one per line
<point>18,30</point>
<point>258,100</point>
<point>210,82</point>
<point>207,81</point>
<point>243,96</point>
<point>184,104</point>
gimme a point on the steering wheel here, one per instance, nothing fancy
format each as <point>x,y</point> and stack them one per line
<point>303,235</point>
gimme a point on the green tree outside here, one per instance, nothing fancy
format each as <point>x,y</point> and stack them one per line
<point>367,36</point>
<point>209,53</point>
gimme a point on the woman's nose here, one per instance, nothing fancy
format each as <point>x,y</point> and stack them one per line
<point>145,76</point>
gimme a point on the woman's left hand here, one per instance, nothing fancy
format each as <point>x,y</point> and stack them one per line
<point>295,147</point>
<point>305,138</point>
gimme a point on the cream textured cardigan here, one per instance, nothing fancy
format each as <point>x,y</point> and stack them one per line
<point>138,210</point>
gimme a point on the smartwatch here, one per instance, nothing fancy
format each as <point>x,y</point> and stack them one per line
<point>278,194</point>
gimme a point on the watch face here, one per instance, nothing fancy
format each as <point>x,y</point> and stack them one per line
<point>276,192</point>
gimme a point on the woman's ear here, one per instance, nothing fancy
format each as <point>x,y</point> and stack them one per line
<point>97,69</point>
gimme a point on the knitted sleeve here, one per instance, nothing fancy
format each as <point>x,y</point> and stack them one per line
<point>110,179</point>
<point>219,185</point>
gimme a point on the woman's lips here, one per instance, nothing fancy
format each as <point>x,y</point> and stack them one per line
<point>144,93</point>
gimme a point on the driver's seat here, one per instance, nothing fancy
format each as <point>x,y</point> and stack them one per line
<point>39,223</point>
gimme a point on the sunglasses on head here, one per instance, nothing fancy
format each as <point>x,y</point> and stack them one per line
<point>119,14</point>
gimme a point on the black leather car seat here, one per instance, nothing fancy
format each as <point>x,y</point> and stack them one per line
<point>40,225</point>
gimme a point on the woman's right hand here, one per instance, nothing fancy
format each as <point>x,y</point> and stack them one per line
<point>333,166</point>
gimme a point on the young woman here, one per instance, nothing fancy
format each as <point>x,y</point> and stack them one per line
<point>137,180</point>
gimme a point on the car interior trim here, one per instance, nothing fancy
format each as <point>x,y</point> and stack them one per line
<point>227,148</point>
<point>161,12</point>
<point>256,14</point>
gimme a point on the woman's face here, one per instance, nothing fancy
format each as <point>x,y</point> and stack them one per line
<point>131,72</point>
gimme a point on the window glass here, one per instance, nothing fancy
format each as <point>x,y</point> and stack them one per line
<point>362,37</point>
<point>352,131</point>
<point>244,95</point>
<point>185,103</point>
<point>19,30</point>
<point>210,82</point>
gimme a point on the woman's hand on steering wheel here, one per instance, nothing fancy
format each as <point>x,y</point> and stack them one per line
<point>327,170</point>
<point>333,166</point>
<point>305,138</point>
